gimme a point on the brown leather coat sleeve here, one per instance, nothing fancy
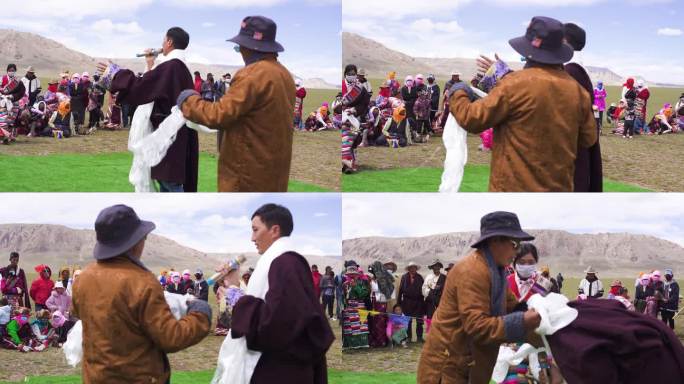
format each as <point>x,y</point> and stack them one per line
<point>588,134</point>
<point>482,114</point>
<point>169,334</point>
<point>237,102</point>
<point>474,305</point>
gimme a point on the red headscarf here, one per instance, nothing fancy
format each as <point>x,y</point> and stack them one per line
<point>629,83</point>
<point>40,268</point>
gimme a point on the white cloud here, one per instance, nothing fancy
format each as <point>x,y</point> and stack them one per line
<point>659,215</point>
<point>320,214</point>
<point>398,9</point>
<point>107,26</point>
<point>73,9</point>
<point>228,4</point>
<point>669,32</point>
<point>426,25</point>
<point>208,24</point>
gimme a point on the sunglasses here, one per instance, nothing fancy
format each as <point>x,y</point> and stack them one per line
<point>236,48</point>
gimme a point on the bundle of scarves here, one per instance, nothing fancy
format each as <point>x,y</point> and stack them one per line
<point>73,348</point>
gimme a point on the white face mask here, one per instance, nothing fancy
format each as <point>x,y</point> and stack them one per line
<point>526,271</point>
<point>11,74</point>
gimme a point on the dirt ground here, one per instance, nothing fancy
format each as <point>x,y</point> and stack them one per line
<point>652,162</point>
<point>202,356</point>
<point>315,156</point>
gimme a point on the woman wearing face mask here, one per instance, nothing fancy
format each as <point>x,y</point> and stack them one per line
<point>409,93</point>
<point>349,78</point>
<point>526,280</point>
<point>174,285</point>
<point>11,85</point>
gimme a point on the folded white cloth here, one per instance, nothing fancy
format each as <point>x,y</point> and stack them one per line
<point>455,140</point>
<point>73,348</point>
<point>554,311</point>
<point>508,357</point>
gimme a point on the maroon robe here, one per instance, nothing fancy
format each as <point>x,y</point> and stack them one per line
<point>410,295</point>
<point>162,85</point>
<point>588,165</point>
<point>289,328</point>
<point>607,344</point>
<point>22,283</point>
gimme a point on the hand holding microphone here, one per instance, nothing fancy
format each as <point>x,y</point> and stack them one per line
<point>150,52</point>
<point>225,269</point>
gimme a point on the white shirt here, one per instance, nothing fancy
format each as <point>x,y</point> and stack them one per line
<point>591,289</point>
<point>429,283</point>
<point>379,296</point>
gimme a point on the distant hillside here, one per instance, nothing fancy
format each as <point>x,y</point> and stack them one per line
<point>612,254</point>
<point>50,58</point>
<point>377,59</point>
<point>57,245</point>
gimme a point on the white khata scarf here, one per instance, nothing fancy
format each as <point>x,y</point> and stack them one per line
<point>456,145</point>
<point>236,362</point>
<point>149,147</point>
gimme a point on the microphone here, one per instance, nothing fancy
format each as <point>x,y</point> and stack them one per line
<point>155,52</point>
<point>230,266</point>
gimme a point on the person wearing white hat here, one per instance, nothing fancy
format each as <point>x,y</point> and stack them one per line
<point>641,104</point>
<point>59,300</point>
<point>300,94</point>
<point>410,298</point>
<point>591,286</point>
<point>455,78</point>
<point>32,85</point>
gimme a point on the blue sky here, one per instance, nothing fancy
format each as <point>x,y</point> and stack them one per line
<point>309,30</point>
<point>660,215</point>
<point>206,222</point>
<point>640,37</point>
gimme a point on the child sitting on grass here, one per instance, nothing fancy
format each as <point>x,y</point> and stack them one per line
<point>397,326</point>
<point>19,335</point>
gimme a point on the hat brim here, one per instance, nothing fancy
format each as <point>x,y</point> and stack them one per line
<point>518,235</point>
<point>414,265</point>
<point>106,251</point>
<point>561,55</point>
<point>255,45</point>
<point>433,264</point>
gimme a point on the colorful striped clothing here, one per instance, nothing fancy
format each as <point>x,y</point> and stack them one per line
<point>354,330</point>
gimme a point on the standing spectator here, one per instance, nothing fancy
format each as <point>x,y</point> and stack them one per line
<point>41,288</point>
<point>409,93</point>
<point>546,273</point>
<point>14,285</point>
<point>455,78</point>
<point>11,85</point>
<point>77,91</point>
<point>364,81</point>
<point>59,300</point>
<point>316,276</point>
<point>591,286</point>
<point>186,282</point>
<point>642,96</point>
<point>222,86</point>
<point>163,277</point>
<point>198,82</point>
<point>432,288</point>
<point>201,286</point>
<point>299,104</point>
<point>173,285</point>
<point>671,304</point>
<point>421,110</point>
<point>328,291</point>
<point>32,85</point>
<point>63,276</point>
<point>410,298</point>
<point>559,280</point>
<point>208,90</point>
<point>435,94</point>
<point>600,96</point>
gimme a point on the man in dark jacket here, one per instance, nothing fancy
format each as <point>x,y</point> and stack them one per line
<point>671,306</point>
<point>434,90</point>
<point>201,289</point>
<point>410,298</point>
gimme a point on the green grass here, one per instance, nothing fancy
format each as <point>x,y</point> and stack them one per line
<point>334,377</point>
<point>475,179</point>
<point>95,173</point>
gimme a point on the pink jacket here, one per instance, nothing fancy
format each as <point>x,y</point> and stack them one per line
<point>58,302</point>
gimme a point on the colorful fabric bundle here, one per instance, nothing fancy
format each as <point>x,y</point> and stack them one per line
<point>354,330</point>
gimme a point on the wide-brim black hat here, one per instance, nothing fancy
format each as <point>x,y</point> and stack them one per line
<point>543,42</point>
<point>503,224</point>
<point>118,229</point>
<point>258,33</point>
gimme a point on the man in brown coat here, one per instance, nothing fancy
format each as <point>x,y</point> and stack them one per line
<point>540,115</point>
<point>128,327</point>
<point>474,316</point>
<point>255,115</point>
